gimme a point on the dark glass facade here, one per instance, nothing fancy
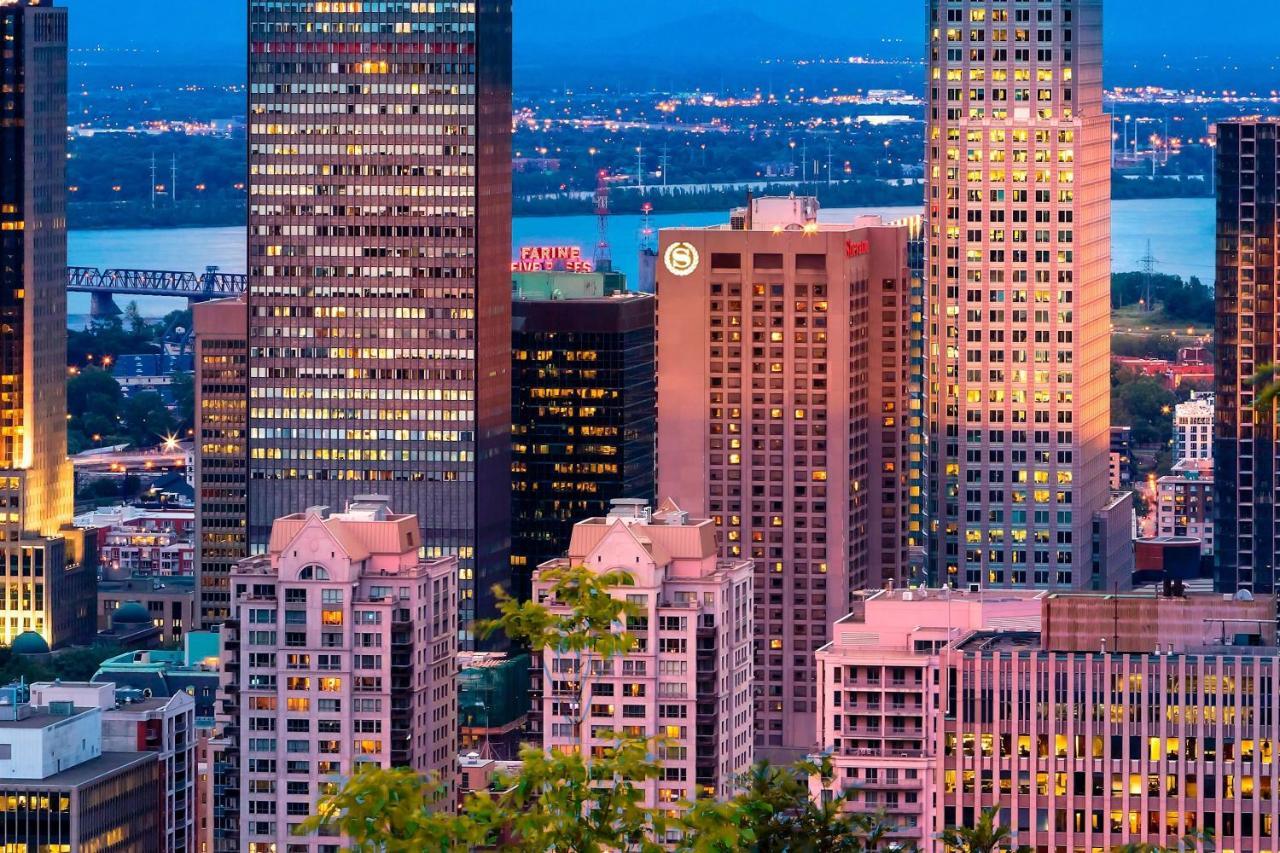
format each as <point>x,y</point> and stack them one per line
<point>220,384</point>
<point>585,417</point>
<point>379,269</point>
<point>1245,437</point>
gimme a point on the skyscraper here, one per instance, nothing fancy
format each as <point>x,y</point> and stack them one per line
<point>784,387</point>
<point>379,281</point>
<point>584,407</point>
<point>1018,218</point>
<point>47,587</point>
<point>221,382</point>
<point>1246,476</point>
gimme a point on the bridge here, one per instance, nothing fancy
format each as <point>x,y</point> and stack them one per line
<point>103,285</point>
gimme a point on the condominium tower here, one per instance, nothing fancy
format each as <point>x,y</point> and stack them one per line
<point>784,389</point>
<point>45,584</point>
<point>1246,438</point>
<point>1018,212</point>
<point>379,269</point>
<point>689,677</point>
<point>340,656</point>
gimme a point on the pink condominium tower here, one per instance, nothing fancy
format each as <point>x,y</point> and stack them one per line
<point>1018,265</point>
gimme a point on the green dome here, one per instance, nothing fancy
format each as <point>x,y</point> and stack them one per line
<point>131,613</point>
<point>29,643</point>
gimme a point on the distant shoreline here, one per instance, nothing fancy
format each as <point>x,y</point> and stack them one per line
<point>129,215</point>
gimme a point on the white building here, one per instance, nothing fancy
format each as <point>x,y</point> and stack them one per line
<point>130,722</point>
<point>1193,428</point>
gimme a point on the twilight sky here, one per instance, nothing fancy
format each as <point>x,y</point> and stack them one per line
<point>196,28</point>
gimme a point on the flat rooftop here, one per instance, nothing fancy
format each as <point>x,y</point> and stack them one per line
<point>41,718</point>
<point>1000,641</point>
<point>104,766</point>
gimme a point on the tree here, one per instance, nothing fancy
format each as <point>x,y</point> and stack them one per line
<point>984,837</point>
<point>184,399</point>
<point>146,419</point>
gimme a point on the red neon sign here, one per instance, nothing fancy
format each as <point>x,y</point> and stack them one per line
<point>854,250</point>
<point>551,259</point>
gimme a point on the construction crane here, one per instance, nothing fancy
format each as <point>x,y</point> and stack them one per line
<point>603,257</point>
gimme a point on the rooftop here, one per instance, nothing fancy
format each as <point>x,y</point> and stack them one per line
<point>105,765</point>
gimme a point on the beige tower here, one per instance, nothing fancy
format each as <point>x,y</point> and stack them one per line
<point>1018,267</point>
<point>46,586</point>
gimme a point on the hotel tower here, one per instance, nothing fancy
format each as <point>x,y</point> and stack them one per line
<point>46,585</point>
<point>1018,269</point>
<point>379,269</point>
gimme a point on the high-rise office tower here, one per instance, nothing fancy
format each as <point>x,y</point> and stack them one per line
<point>1246,437</point>
<point>1018,218</point>
<point>784,384</point>
<point>45,584</point>
<point>221,383</point>
<point>379,281</point>
<point>584,408</point>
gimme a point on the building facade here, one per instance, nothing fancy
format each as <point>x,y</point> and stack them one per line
<point>584,408</point>
<point>1184,502</point>
<point>132,723</point>
<point>379,269</point>
<point>1193,428</point>
<point>63,791</point>
<point>784,395</point>
<point>689,678</point>
<point>221,463</point>
<point>877,677</point>
<point>1089,721</point>
<point>344,644</point>
<point>43,586</point>
<point>1018,218</point>
<point>1246,440</point>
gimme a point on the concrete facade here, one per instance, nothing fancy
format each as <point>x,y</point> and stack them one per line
<point>689,680</point>
<point>1019,266</point>
<point>784,397</point>
<point>341,653</point>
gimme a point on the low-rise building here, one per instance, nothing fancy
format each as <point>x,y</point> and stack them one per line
<point>1193,427</point>
<point>168,604</point>
<point>493,703</point>
<point>1184,502</point>
<point>62,790</point>
<point>1089,721</point>
<point>689,678</point>
<point>132,722</point>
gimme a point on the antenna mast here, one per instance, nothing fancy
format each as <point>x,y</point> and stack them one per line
<point>603,259</point>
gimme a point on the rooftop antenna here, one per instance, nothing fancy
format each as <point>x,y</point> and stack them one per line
<point>640,168</point>
<point>647,234</point>
<point>603,259</point>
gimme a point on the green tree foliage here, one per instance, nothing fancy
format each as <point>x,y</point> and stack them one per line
<point>1144,404</point>
<point>986,836</point>
<point>1184,301</point>
<point>146,419</point>
<point>77,664</point>
<point>579,801</point>
<point>108,338</point>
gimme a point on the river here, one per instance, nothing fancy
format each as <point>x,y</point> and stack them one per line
<point>1180,231</point>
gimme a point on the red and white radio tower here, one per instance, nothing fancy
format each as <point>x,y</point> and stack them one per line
<point>603,259</point>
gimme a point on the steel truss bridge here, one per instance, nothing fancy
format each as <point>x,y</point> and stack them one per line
<point>211,284</point>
